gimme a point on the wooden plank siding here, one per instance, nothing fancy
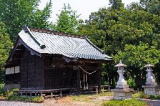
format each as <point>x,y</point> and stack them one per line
<point>32,71</point>
<point>53,72</point>
<point>59,76</point>
<point>12,78</point>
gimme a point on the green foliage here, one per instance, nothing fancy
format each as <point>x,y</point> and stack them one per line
<point>11,92</point>
<point>17,13</point>
<point>1,89</point>
<point>40,17</point>
<point>5,46</point>
<point>13,96</point>
<point>138,55</point>
<point>154,97</point>
<point>152,6</point>
<point>131,83</point>
<point>36,99</point>
<point>129,102</point>
<point>140,95</point>
<point>116,4</point>
<point>67,21</point>
<point>131,35</point>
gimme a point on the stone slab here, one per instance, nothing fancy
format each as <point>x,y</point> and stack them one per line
<point>121,94</point>
<point>151,90</point>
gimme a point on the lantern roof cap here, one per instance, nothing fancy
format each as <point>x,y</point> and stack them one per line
<point>120,64</point>
<point>149,65</point>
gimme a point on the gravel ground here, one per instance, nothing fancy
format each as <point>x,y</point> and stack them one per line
<point>53,102</point>
<point>9,103</point>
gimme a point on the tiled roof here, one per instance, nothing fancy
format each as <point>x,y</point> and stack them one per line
<point>48,42</point>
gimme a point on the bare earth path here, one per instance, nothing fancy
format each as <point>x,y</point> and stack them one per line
<point>60,102</point>
<point>9,103</point>
<point>68,102</point>
<point>51,103</point>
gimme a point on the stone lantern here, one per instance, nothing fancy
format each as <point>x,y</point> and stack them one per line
<point>122,90</point>
<point>150,87</point>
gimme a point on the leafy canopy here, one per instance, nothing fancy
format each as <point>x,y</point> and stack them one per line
<point>116,4</point>
<point>152,6</point>
<point>17,13</point>
<point>5,45</point>
<point>67,21</point>
<point>128,34</point>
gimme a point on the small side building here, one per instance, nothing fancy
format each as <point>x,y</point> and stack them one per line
<point>46,61</point>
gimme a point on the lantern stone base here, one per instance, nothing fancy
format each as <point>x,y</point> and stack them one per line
<point>151,90</point>
<point>121,94</point>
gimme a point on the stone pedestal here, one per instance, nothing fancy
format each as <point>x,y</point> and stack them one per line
<point>150,90</point>
<point>122,90</point>
<point>121,94</point>
<point>150,87</point>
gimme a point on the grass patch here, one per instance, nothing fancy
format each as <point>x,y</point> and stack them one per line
<point>36,99</point>
<point>89,97</point>
<point>105,94</point>
<point>142,95</point>
<point>129,102</point>
<point>84,98</point>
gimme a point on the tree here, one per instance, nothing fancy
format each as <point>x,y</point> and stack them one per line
<point>136,57</point>
<point>17,13</point>
<point>116,4</point>
<point>41,17</point>
<point>67,21</point>
<point>123,32</point>
<point>5,46</point>
<point>152,6</point>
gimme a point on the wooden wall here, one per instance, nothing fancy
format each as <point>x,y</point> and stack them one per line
<point>32,71</point>
<point>59,74</point>
<point>51,72</point>
<point>12,78</point>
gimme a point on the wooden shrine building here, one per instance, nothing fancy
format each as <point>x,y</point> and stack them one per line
<point>46,61</point>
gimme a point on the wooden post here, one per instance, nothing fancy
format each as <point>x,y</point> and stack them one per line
<point>60,92</point>
<point>51,94</point>
<point>40,93</point>
<point>30,93</point>
<point>99,78</point>
<point>78,81</point>
<point>20,93</point>
<point>97,89</point>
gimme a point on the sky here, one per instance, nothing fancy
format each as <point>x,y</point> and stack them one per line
<point>83,7</point>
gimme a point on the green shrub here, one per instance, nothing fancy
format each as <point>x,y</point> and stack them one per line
<point>11,92</point>
<point>154,96</point>
<point>140,95</point>
<point>1,89</point>
<point>36,99</point>
<point>129,102</point>
<point>131,83</point>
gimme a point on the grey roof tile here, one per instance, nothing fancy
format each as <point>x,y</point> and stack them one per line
<point>71,47</point>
